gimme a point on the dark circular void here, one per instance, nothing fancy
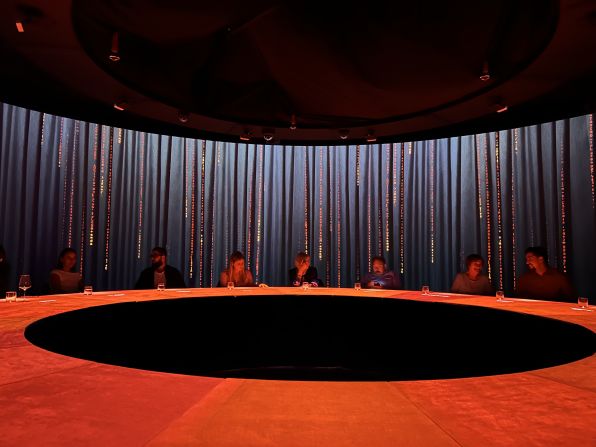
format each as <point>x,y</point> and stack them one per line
<point>313,338</point>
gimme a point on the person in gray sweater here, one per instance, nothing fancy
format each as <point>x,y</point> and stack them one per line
<point>472,281</point>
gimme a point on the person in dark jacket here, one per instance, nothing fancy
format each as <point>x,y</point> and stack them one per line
<point>160,273</point>
<point>303,272</point>
<point>542,282</point>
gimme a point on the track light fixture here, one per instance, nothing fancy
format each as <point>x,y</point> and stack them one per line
<point>343,134</point>
<point>183,116</point>
<point>121,105</point>
<point>370,136</point>
<point>293,122</point>
<point>20,27</point>
<point>115,53</point>
<point>268,134</point>
<point>485,76</point>
<point>246,135</point>
<point>501,108</point>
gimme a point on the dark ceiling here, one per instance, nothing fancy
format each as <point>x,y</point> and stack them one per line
<point>395,70</point>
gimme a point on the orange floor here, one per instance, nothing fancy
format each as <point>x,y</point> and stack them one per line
<point>47,399</point>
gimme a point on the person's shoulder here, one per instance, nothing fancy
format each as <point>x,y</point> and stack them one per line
<point>172,269</point>
<point>527,274</point>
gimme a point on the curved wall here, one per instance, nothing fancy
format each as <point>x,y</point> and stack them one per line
<point>112,194</point>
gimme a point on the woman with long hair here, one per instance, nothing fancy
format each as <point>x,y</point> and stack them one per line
<point>236,273</point>
<point>64,278</point>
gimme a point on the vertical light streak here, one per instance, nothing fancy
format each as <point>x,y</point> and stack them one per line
<point>499,207</point>
<point>202,228</point>
<point>488,208</point>
<point>306,196</point>
<point>109,199</point>
<point>320,204</point>
<point>72,182</point>
<point>93,186</point>
<point>513,202</point>
<point>563,206</point>
<point>141,193</point>
<point>401,209</point>
<point>259,210</point>
<point>338,223</point>
<point>432,201</point>
<point>387,187</point>
<point>193,209</point>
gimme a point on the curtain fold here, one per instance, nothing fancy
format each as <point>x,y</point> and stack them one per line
<point>112,194</point>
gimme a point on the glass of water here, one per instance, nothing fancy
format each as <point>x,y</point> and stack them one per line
<point>500,295</point>
<point>305,285</point>
<point>230,285</point>
<point>425,290</point>
<point>11,296</point>
<point>357,286</point>
<point>582,302</point>
<point>161,287</point>
<point>88,290</point>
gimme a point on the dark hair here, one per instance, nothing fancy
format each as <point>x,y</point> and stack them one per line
<point>378,258</point>
<point>473,258</point>
<point>64,253</point>
<point>236,256</point>
<point>539,252</point>
<point>161,250</point>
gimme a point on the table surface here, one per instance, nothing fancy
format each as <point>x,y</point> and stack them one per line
<point>50,399</point>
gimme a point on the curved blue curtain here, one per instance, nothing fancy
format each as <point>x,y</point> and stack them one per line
<point>113,194</point>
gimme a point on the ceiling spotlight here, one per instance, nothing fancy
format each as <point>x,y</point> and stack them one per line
<point>121,105</point>
<point>20,27</point>
<point>370,136</point>
<point>114,54</point>
<point>485,76</point>
<point>246,135</point>
<point>268,134</point>
<point>343,133</point>
<point>183,116</point>
<point>293,122</point>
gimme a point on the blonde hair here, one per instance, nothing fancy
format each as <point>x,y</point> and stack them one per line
<point>301,258</point>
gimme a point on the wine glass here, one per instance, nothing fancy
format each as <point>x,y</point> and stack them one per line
<point>24,284</point>
<point>425,290</point>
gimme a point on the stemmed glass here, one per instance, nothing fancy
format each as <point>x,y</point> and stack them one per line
<point>24,284</point>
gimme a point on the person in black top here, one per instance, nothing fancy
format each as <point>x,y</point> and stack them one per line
<point>304,272</point>
<point>160,272</point>
<point>4,272</point>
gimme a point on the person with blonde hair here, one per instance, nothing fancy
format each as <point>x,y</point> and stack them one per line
<point>303,272</point>
<point>236,273</point>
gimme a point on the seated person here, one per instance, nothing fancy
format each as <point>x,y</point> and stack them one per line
<point>4,272</point>
<point>380,277</point>
<point>472,281</point>
<point>64,278</point>
<point>303,272</point>
<point>543,282</point>
<point>236,273</point>
<point>160,273</point>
